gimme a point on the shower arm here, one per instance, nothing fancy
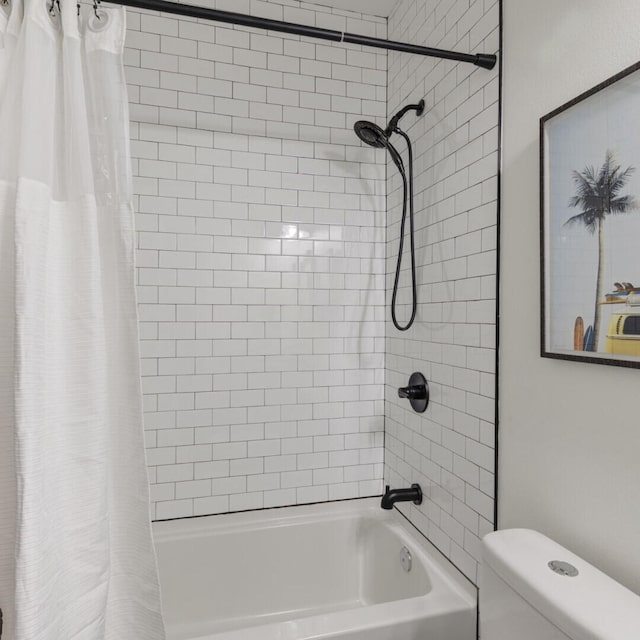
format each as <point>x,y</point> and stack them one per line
<point>392,127</point>
<point>484,60</point>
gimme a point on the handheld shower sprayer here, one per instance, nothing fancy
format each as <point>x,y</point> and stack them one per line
<point>371,134</point>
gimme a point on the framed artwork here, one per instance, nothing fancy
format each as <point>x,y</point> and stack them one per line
<point>590,225</point>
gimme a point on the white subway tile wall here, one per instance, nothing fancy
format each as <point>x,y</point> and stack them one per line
<point>449,449</point>
<point>261,259</point>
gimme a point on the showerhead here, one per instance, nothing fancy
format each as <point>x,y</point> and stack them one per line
<point>374,136</point>
<point>371,134</point>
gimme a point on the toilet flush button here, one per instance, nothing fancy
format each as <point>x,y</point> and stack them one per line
<point>563,568</point>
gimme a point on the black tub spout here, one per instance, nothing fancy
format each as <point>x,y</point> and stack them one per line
<point>391,496</point>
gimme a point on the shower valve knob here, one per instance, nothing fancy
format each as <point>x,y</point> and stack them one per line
<point>414,392</point>
<point>417,392</point>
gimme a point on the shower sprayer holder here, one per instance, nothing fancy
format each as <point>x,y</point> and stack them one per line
<point>392,127</point>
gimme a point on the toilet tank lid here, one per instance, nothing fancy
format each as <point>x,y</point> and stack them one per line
<point>589,606</point>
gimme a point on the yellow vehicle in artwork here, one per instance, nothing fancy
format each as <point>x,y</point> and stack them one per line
<point>623,335</point>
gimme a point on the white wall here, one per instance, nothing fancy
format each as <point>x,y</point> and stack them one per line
<point>449,449</point>
<point>569,432</point>
<point>261,234</point>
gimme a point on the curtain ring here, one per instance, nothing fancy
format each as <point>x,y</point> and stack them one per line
<point>96,5</point>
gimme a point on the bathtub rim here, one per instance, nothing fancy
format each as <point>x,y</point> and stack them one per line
<point>272,516</point>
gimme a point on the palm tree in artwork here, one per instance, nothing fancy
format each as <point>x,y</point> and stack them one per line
<point>598,195</point>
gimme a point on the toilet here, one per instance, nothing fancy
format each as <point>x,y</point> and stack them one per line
<point>531,588</point>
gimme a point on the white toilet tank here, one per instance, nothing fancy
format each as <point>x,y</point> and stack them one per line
<point>522,597</point>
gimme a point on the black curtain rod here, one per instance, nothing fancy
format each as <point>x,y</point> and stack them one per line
<point>487,61</point>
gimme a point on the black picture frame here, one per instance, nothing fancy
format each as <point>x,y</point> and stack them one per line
<point>561,138</point>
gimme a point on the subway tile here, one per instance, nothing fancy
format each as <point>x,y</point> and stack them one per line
<point>211,435</point>
<point>193,489</point>
<point>235,484</point>
<point>312,494</point>
<point>174,509</point>
<point>214,469</point>
<point>212,505</point>
<point>279,497</point>
<point>247,466</point>
<point>246,501</point>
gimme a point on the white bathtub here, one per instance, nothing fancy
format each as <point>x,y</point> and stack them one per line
<point>318,571</point>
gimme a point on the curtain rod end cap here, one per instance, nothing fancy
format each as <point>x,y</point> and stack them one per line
<point>485,60</point>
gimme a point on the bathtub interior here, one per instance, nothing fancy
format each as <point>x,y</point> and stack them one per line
<point>245,578</point>
<point>382,577</point>
<point>225,573</point>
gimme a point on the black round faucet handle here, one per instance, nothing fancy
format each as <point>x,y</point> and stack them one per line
<point>417,392</point>
<point>414,392</point>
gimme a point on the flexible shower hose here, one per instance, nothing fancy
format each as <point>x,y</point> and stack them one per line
<point>407,200</point>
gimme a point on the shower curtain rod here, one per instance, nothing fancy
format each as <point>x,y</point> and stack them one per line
<point>484,60</point>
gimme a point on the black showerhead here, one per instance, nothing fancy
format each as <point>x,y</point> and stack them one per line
<point>371,134</point>
<point>374,136</point>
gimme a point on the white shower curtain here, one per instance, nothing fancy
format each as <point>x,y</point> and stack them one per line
<point>76,555</point>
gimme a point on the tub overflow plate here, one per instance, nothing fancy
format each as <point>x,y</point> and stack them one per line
<point>563,568</point>
<point>405,559</point>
